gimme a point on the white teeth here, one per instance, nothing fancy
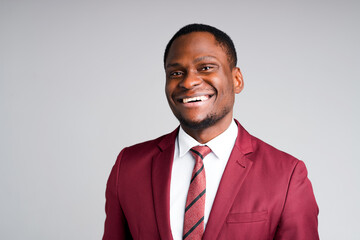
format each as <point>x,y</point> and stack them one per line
<point>199,98</point>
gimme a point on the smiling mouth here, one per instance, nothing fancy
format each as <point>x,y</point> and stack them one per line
<point>195,99</point>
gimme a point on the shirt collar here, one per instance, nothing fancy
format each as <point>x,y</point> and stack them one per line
<point>221,145</point>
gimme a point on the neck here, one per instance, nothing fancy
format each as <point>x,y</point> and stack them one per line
<point>205,135</point>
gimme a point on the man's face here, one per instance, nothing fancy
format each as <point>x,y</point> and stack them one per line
<point>200,84</point>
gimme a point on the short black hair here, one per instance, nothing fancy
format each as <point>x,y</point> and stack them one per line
<point>222,38</point>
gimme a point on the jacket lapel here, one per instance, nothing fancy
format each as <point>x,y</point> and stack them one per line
<point>161,176</point>
<point>234,175</point>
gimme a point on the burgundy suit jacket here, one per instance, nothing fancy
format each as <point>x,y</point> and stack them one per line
<point>264,194</point>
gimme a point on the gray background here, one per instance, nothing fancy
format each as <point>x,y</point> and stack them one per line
<point>80,80</point>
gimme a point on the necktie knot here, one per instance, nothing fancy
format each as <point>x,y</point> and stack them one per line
<point>200,152</point>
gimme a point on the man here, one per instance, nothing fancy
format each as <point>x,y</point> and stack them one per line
<point>208,179</point>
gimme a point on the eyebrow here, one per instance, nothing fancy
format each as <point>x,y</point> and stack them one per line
<point>173,65</point>
<point>199,59</point>
<point>208,57</point>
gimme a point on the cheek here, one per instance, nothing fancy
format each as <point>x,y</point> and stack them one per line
<point>226,90</point>
<point>226,95</point>
<point>168,88</point>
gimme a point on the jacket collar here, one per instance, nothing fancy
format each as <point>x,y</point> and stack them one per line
<point>161,176</point>
<point>243,140</point>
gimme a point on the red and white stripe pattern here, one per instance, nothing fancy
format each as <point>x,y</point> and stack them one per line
<point>195,202</point>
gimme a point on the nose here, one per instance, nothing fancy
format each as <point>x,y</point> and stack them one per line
<point>190,80</point>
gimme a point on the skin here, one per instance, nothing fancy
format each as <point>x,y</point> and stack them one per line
<point>197,65</point>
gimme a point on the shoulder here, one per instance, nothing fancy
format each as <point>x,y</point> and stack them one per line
<point>150,147</point>
<point>265,154</point>
<point>277,167</point>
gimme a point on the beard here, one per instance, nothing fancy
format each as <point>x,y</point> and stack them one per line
<point>208,121</point>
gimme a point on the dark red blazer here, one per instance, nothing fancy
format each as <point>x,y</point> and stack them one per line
<point>264,194</point>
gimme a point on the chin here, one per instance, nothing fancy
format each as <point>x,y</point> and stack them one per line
<point>199,124</point>
<point>207,121</point>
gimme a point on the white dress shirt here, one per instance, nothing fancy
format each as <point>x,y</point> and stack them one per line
<point>183,165</point>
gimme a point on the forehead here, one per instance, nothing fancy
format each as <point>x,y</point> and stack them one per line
<point>195,44</point>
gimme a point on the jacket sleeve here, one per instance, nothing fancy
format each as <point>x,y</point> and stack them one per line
<point>116,226</point>
<point>299,217</point>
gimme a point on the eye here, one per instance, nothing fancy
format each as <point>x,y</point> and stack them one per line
<point>175,73</point>
<point>206,68</point>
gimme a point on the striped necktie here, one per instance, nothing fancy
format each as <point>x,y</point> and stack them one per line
<point>195,202</point>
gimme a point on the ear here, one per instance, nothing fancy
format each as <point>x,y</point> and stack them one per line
<point>238,80</point>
